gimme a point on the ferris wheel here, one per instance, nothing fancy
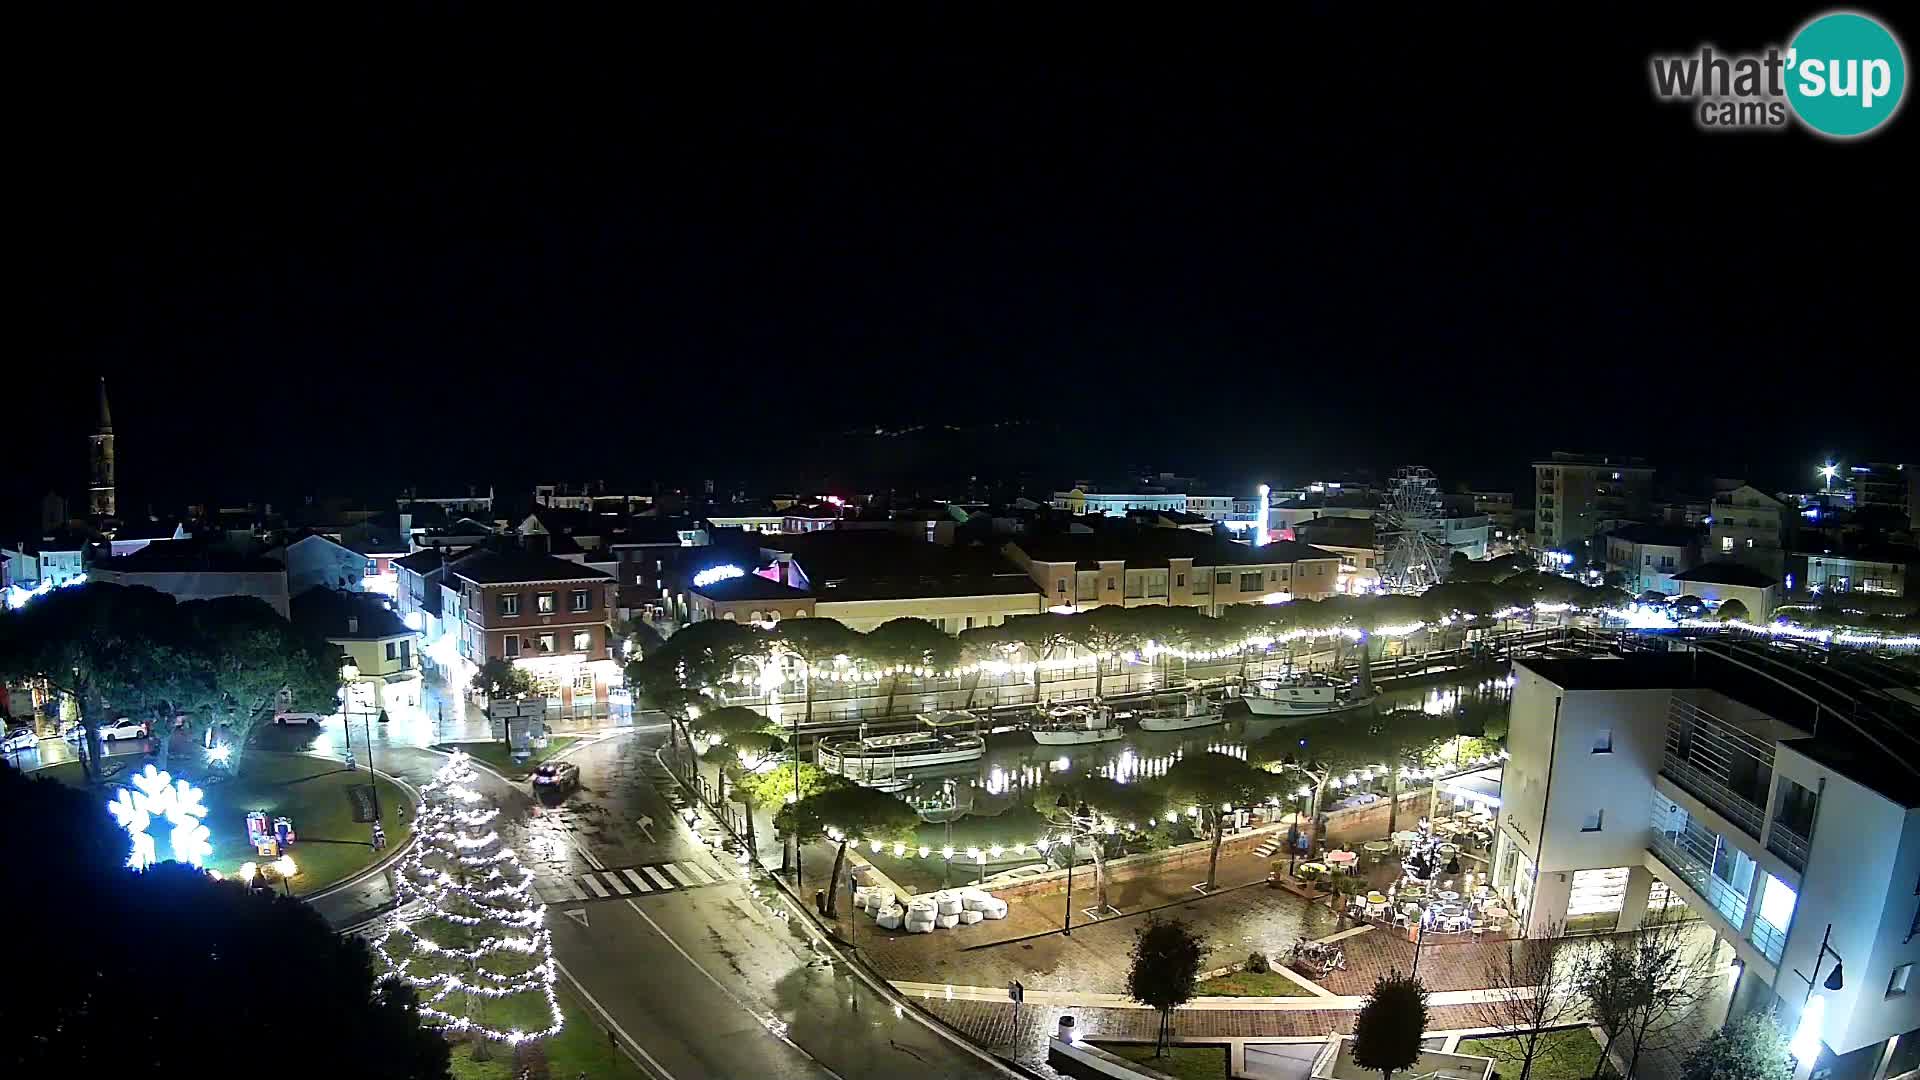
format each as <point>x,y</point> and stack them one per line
<point>1410,560</point>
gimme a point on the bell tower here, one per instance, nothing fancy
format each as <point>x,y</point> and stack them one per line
<point>100,493</point>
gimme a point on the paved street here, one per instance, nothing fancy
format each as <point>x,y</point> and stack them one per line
<point>700,972</point>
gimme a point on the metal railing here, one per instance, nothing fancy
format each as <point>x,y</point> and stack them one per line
<point>1789,845</point>
<point>1702,752</point>
<point>1769,939</point>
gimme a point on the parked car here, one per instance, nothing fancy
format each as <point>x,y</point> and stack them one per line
<point>124,728</point>
<point>74,732</point>
<point>20,738</point>
<point>298,718</point>
<point>556,775</point>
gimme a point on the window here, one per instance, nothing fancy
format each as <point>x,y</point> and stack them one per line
<point>546,643</point>
<point>1180,581</point>
<point>1223,578</point>
<point>406,654</point>
<point>511,646</point>
<point>1250,582</point>
<point>1897,985</point>
<point>969,625</point>
<point>1603,741</point>
<point>510,603</point>
<point>1060,586</point>
<point>1111,584</point>
<point>582,640</point>
<point>1726,543</point>
<point>581,600</point>
<point>1594,822</point>
<point>1749,541</point>
<point>373,567</point>
<point>393,650</point>
<point>543,603</point>
<point>583,682</point>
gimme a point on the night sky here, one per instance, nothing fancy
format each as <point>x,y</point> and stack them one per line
<point>427,248</point>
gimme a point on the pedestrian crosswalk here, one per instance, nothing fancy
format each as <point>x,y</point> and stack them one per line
<point>615,884</point>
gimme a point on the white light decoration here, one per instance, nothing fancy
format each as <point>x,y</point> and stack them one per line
<point>157,794</point>
<point>481,936</point>
<point>714,574</point>
<point>219,753</point>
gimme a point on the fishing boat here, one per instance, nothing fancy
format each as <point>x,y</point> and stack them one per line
<point>1076,725</point>
<point>1194,710</point>
<point>1305,695</point>
<point>944,739</point>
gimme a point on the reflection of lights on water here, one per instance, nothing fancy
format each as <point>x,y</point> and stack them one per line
<point>1061,764</point>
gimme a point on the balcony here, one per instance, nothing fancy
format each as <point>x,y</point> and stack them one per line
<point>1789,845</point>
<point>1724,767</point>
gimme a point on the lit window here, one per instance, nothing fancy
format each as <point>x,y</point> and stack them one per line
<point>544,602</point>
<point>581,600</point>
<point>1726,543</point>
<point>582,640</point>
<point>546,643</point>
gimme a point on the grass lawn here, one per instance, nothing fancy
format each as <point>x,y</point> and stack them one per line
<point>311,791</point>
<point>581,1047</point>
<point>1566,1054</point>
<point>1251,984</point>
<point>1185,1062</point>
<point>495,756</point>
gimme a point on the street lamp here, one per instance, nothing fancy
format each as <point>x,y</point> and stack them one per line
<point>1828,472</point>
<point>1834,980</point>
<point>284,866</point>
<point>1072,823</point>
<point>349,673</point>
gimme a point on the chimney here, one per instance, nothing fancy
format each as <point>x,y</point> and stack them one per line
<point>353,624</point>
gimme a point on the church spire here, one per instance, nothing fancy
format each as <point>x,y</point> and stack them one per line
<point>106,415</point>
<point>102,500</point>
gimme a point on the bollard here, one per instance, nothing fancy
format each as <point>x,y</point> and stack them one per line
<point>1065,1032</point>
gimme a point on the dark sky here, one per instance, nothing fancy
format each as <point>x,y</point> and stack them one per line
<point>348,255</point>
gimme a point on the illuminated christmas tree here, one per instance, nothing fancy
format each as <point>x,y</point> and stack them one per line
<point>475,945</point>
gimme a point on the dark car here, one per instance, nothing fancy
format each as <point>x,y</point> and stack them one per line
<point>556,775</point>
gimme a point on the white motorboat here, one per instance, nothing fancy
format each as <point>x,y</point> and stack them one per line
<point>1193,711</point>
<point>1304,695</point>
<point>1076,725</point>
<point>877,759</point>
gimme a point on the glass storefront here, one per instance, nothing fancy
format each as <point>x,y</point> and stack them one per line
<point>1595,900</point>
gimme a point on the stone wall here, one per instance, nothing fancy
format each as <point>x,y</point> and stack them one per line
<point>1348,827</point>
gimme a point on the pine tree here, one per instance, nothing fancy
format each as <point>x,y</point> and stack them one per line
<point>478,951</point>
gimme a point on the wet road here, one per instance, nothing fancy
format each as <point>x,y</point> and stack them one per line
<point>700,972</point>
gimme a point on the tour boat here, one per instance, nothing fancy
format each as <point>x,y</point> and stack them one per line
<point>1193,711</point>
<point>1074,725</point>
<point>1304,695</point>
<point>874,759</point>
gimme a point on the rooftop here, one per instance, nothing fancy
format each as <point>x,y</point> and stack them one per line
<point>748,587</point>
<point>326,612</point>
<point>189,557</point>
<point>1658,535</point>
<point>510,567</point>
<point>1860,712</point>
<point>1152,548</point>
<point>1728,573</point>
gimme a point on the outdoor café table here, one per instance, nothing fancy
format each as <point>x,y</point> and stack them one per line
<point>1342,859</point>
<point>1377,848</point>
<point>1447,849</point>
<point>1465,815</point>
<point>1413,892</point>
<point>1405,836</point>
<point>1376,898</point>
<point>1448,911</point>
<point>1447,895</point>
<point>1494,912</point>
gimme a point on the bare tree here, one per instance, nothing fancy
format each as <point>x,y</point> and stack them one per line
<point>1646,983</point>
<point>1536,985</point>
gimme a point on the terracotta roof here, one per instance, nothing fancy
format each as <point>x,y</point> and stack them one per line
<point>502,568</point>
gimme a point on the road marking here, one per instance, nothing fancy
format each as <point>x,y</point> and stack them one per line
<point>618,885</point>
<point>638,881</point>
<point>633,1045</point>
<point>573,890</point>
<point>646,826</point>
<point>593,883</point>
<point>701,875</point>
<point>674,869</point>
<point>658,878</point>
<point>577,914</point>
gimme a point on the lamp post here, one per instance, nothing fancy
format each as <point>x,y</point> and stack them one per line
<point>286,868</point>
<point>1805,1045</point>
<point>1072,823</point>
<point>349,674</point>
<point>1834,980</point>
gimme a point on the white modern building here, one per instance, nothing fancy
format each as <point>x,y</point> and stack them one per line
<point>1116,504</point>
<point>1774,794</point>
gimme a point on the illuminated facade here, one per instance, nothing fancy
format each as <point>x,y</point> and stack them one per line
<point>101,496</point>
<point>545,614</point>
<point>1769,794</point>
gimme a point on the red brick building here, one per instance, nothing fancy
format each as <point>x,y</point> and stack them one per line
<point>546,614</point>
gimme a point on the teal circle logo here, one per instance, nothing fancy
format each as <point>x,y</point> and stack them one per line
<point>1845,74</point>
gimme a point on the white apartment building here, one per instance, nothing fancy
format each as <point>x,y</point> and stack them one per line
<point>1116,504</point>
<point>1773,793</point>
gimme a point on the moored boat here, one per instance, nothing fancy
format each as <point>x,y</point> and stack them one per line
<point>1076,725</point>
<point>947,738</point>
<point>1194,710</point>
<point>1304,695</point>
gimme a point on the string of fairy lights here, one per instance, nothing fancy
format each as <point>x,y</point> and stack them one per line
<point>464,876</point>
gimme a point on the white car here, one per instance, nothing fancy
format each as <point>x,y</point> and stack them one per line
<point>124,728</point>
<point>20,738</point>
<point>298,718</point>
